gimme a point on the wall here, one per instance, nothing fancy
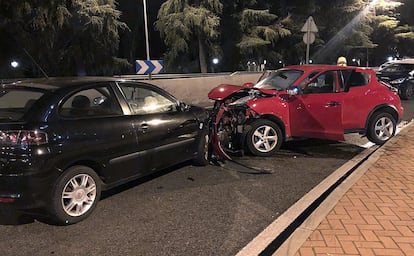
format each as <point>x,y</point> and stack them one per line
<point>195,90</point>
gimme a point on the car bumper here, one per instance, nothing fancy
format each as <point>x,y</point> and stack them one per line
<point>26,189</point>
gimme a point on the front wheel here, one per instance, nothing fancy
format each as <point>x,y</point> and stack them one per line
<point>75,195</point>
<point>381,128</point>
<point>202,156</point>
<point>264,138</point>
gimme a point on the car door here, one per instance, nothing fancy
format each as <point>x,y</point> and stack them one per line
<point>317,111</point>
<point>94,129</point>
<point>166,134</point>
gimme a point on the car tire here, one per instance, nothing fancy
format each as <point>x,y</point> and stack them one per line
<point>75,195</point>
<point>381,128</point>
<point>264,138</point>
<point>202,150</point>
<point>407,91</point>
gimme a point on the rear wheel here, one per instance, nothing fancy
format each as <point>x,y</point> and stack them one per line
<point>264,138</point>
<point>407,91</point>
<point>381,128</point>
<point>75,195</point>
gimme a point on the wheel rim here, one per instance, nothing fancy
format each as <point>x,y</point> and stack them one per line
<point>206,145</point>
<point>384,128</point>
<point>264,138</point>
<point>78,195</point>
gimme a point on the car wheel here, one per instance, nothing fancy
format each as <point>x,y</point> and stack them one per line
<point>407,91</point>
<point>381,128</point>
<point>264,138</point>
<point>75,195</point>
<point>202,150</point>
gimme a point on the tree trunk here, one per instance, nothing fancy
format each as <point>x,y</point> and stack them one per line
<point>202,55</point>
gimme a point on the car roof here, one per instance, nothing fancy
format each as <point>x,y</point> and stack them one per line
<point>404,61</point>
<point>54,83</point>
<point>323,67</point>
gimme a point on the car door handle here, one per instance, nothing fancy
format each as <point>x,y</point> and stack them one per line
<point>143,127</point>
<point>332,104</point>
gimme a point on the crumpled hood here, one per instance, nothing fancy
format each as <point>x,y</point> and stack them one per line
<point>224,90</point>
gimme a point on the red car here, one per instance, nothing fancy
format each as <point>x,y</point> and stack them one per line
<point>314,101</point>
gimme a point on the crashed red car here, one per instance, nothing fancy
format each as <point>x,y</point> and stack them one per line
<point>314,101</point>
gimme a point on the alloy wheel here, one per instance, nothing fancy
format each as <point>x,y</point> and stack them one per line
<point>79,195</point>
<point>384,128</point>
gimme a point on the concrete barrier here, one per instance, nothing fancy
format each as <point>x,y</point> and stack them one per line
<point>195,90</point>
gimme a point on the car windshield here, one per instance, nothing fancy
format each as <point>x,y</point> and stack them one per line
<point>280,80</point>
<point>398,67</point>
<point>14,103</point>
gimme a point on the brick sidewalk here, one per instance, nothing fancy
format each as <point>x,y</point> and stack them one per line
<point>376,216</point>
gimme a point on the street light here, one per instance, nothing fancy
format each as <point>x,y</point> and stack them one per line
<point>146,29</point>
<point>14,64</point>
<point>215,62</point>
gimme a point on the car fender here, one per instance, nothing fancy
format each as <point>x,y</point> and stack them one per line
<point>278,112</point>
<point>385,108</point>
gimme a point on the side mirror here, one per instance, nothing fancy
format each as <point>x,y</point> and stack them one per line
<point>295,90</point>
<point>184,107</point>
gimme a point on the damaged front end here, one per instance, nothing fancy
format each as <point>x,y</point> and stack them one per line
<point>230,118</point>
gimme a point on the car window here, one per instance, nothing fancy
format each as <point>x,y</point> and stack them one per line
<point>97,101</point>
<point>306,80</point>
<point>358,79</point>
<point>145,100</point>
<point>14,103</point>
<point>323,83</point>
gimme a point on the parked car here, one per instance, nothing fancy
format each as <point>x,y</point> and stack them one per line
<point>400,74</point>
<point>314,101</point>
<point>64,140</point>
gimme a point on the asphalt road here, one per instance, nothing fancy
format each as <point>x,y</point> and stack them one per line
<point>187,210</point>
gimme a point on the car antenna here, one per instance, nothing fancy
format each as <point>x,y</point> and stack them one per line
<point>37,65</point>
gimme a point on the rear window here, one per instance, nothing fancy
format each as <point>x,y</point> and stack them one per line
<point>15,103</point>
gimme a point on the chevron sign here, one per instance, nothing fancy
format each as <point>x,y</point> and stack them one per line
<point>149,67</point>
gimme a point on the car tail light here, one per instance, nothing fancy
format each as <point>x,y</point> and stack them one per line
<point>25,137</point>
<point>6,200</point>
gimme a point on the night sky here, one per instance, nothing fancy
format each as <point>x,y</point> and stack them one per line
<point>134,40</point>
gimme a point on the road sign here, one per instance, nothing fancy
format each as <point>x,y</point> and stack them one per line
<point>309,26</point>
<point>146,67</point>
<point>309,38</point>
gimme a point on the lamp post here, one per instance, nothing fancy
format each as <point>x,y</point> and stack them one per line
<point>146,30</point>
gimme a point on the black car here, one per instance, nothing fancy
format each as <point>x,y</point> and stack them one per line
<point>65,140</point>
<point>400,74</point>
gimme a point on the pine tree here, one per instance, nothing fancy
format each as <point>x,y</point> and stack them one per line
<point>182,22</point>
<point>76,37</point>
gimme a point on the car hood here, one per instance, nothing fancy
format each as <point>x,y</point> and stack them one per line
<point>224,90</point>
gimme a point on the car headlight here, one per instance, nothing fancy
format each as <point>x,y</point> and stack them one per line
<point>398,81</point>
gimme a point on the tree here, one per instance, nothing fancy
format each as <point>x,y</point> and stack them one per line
<point>75,37</point>
<point>182,22</point>
<point>260,32</point>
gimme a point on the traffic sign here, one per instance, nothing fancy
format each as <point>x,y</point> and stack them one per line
<point>309,26</point>
<point>146,67</point>
<point>309,38</point>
